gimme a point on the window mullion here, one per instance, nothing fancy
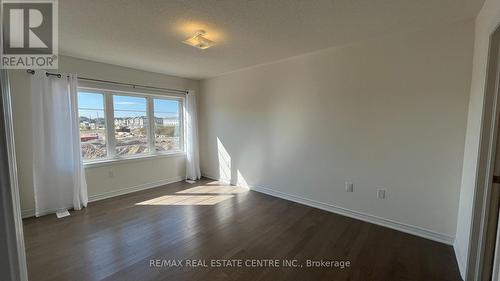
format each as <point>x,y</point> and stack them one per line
<point>110,125</point>
<point>151,125</point>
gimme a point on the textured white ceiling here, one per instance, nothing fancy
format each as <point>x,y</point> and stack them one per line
<point>147,34</point>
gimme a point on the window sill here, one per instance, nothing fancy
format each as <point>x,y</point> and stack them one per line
<point>120,160</point>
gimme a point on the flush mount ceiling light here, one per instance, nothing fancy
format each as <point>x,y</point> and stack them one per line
<point>199,41</point>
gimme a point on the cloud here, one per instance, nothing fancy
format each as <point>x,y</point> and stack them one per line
<point>127,103</point>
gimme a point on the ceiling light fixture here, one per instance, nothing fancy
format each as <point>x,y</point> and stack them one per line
<point>199,41</point>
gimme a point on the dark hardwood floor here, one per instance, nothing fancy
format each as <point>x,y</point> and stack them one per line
<point>117,238</point>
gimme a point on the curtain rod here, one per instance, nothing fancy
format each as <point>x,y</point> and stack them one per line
<point>59,75</point>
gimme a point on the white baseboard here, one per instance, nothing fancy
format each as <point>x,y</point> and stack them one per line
<point>410,229</point>
<point>93,198</point>
<point>461,263</point>
<point>31,212</point>
<point>28,213</point>
<point>131,189</point>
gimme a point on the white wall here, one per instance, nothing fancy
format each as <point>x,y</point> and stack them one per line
<point>386,113</point>
<point>486,22</point>
<point>137,173</point>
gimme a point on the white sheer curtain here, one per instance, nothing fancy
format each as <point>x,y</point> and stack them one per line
<point>192,150</point>
<point>58,175</point>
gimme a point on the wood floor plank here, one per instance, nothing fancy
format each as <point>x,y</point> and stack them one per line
<point>115,239</point>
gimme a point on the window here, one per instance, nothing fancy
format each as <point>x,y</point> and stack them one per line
<point>92,125</point>
<point>167,124</point>
<point>115,125</point>
<point>131,125</point>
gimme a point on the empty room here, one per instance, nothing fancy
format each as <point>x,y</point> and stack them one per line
<point>344,140</point>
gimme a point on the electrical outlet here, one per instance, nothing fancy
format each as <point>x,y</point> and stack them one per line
<point>381,193</point>
<point>349,187</point>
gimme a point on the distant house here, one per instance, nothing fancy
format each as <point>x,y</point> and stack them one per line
<point>131,122</point>
<point>170,122</point>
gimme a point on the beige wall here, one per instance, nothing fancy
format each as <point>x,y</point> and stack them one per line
<point>387,113</point>
<point>102,180</point>
<point>486,22</point>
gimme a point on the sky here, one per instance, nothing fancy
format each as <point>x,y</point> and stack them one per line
<point>91,105</point>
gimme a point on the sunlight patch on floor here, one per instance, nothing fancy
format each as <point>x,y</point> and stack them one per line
<point>180,200</point>
<point>214,190</point>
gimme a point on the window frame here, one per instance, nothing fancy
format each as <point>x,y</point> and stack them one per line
<point>108,93</point>
<point>181,122</point>
<point>147,128</point>
<point>105,123</point>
